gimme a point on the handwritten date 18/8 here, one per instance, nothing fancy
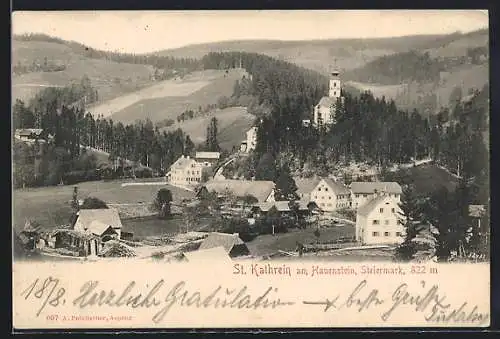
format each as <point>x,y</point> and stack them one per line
<point>48,292</point>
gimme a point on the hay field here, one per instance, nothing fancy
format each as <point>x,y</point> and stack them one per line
<point>233,122</point>
<point>111,78</point>
<point>50,206</point>
<point>176,96</point>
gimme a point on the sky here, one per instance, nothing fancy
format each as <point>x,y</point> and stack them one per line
<point>148,31</point>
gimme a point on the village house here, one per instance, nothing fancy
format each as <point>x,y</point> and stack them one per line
<point>250,142</point>
<point>32,135</point>
<point>82,244</point>
<point>262,191</point>
<point>185,171</point>
<point>362,192</point>
<point>232,244</point>
<point>207,159</point>
<point>104,223</point>
<point>328,194</point>
<point>379,221</point>
<point>324,111</point>
<point>28,134</point>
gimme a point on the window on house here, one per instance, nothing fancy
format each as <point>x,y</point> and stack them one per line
<point>364,195</point>
<point>376,222</point>
<point>315,197</point>
<point>386,222</point>
<point>319,189</point>
<point>329,204</point>
<point>334,84</point>
<point>357,195</point>
<point>334,93</point>
<point>326,189</point>
<point>386,234</point>
<point>398,234</point>
<point>381,210</point>
<point>375,234</point>
<point>392,210</point>
<point>329,197</point>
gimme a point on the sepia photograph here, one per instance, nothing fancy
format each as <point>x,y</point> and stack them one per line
<point>352,142</point>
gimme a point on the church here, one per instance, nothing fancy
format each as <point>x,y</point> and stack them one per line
<point>324,111</point>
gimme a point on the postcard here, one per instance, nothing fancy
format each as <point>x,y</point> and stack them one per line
<point>250,169</point>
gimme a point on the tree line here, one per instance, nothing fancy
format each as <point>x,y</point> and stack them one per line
<point>399,68</point>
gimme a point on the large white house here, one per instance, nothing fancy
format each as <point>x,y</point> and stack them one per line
<point>330,195</point>
<point>185,171</point>
<point>324,111</point>
<point>325,192</point>
<point>379,222</point>
<point>362,192</point>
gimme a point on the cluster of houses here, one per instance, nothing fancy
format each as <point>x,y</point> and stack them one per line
<point>378,216</point>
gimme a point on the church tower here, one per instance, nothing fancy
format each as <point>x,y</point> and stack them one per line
<point>334,91</point>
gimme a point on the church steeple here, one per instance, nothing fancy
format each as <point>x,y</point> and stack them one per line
<point>334,90</point>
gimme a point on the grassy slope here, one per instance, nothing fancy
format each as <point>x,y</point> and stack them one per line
<point>199,89</point>
<point>34,202</point>
<point>112,79</point>
<point>233,122</point>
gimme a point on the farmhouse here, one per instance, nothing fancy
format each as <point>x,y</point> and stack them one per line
<point>330,195</point>
<point>207,159</point>
<point>379,221</point>
<point>28,134</point>
<point>250,142</point>
<point>32,134</point>
<point>305,186</point>
<point>82,244</point>
<point>261,190</point>
<point>324,111</point>
<point>185,171</point>
<point>232,244</point>
<point>104,223</point>
<point>361,192</point>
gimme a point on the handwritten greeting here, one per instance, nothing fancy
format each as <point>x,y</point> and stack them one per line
<point>164,297</point>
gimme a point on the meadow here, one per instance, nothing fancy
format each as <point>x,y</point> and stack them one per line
<point>50,206</point>
<point>172,97</point>
<point>110,78</point>
<point>233,122</point>
<point>268,244</point>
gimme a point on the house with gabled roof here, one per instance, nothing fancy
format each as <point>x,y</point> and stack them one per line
<point>100,222</point>
<point>330,195</point>
<point>379,221</point>
<point>362,192</point>
<point>185,171</point>
<point>232,244</point>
